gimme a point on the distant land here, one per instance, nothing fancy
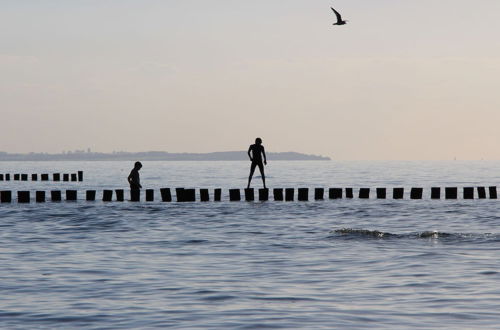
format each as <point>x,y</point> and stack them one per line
<point>81,155</point>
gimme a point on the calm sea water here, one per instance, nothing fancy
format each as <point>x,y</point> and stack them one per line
<point>326,264</point>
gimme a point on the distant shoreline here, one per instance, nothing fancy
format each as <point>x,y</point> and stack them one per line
<point>156,156</point>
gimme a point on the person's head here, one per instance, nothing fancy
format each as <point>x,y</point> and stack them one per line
<point>137,165</point>
<point>258,141</point>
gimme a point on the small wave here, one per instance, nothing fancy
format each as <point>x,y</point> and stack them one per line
<point>356,233</point>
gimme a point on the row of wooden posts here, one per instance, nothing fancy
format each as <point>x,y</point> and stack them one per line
<point>44,177</point>
<point>279,194</point>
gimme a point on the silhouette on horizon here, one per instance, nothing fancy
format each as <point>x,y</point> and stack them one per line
<point>340,21</point>
<point>255,153</point>
<point>133,178</point>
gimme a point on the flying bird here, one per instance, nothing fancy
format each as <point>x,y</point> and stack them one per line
<point>340,21</point>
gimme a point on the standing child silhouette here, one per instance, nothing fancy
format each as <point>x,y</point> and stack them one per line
<point>255,153</point>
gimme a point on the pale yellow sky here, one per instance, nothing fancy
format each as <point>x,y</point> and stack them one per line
<point>403,80</point>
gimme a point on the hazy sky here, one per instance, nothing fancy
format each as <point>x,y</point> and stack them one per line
<point>405,79</point>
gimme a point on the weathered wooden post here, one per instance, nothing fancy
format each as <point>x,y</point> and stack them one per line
<point>435,193</point>
<point>416,193</point>
<point>204,195</point>
<point>166,195</point>
<point>45,177</point>
<point>23,196</point>
<point>398,193</point>
<point>73,177</point>
<point>6,196</point>
<point>263,194</point>
<point>34,177</point>
<point>24,177</point>
<point>468,192</point>
<point>16,177</point>
<point>289,194</point>
<point>190,195</point>
<point>381,193</point>
<point>451,192</point>
<point>135,195</point>
<point>249,194</point>
<point>107,195</point>
<point>481,192</point>
<point>80,176</point>
<point>278,194</point>
<point>303,194</point>
<point>120,195</point>
<point>7,177</point>
<point>56,177</point>
<point>65,177</point>
<point>55,196</point>
<point>90,195</point>
<point>349,193</point>
<point>1,177</point>
<point>217,194</point>
<point>71,195</point>
<point>179,193</point>
<point>335,193</point>
<point>150,195</point>
<point>234,195</point>
<point>493,192</point>
<point>364,193</point>
<point>40,196</point>
<point>319,193</point>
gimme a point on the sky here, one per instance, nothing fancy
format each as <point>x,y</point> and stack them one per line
<point>403,80</point>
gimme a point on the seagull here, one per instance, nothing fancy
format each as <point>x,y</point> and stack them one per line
<point>340,21</point>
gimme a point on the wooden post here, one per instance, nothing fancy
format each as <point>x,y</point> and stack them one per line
<point>190,195</point>
<point>6,196</point>
<point>249,194</point>
<point>468,192</point>
<point>80,176</point>
<point>135,195</point>
<point>364,193</point>
<point>55,196</point>
<point>16,177</point>
<point>90,195</point>
<point>71,195</point>
<point>303,194</point>
<point>289,194</point>
<point>1,177</point>
<point>73,177</point>
<point>278,194</point>
<point>24,177</point>
<point>398,193</point>
<point>493,192</point>
<point>349,193</point>
<point>217,194</point>
<point>204,195</point>
<point>23,196</point>
<point>335,193</point>
<point>319,194</point>
<point>65,177</point>
<point>34,177</point>
<point>179,193</point>
<point>234,195</point>
<point>166,195</point>
<point>56,177</point>
<point>107,195</point>
<point>45,177</point>
<point>263,194</point>
<point>150,195</point>
<point>120,195</point>
<point>381,193</point>
<point>416,193</point>
<point>435,193</point>
<point>7,177</point>
<point>40,196</point>
<point>481,192</point>
<point>451,192</point>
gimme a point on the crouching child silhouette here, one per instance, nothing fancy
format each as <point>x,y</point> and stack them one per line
<point>134,179</point>
<point>257,154</point>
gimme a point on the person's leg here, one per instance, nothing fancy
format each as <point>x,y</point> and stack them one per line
<point>252,169</point>
<point>261,169</point>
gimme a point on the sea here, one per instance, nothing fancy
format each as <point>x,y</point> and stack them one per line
<point>328,264</point>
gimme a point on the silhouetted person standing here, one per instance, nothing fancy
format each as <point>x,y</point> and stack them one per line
<point>133,179</point>
<point>255,153</point>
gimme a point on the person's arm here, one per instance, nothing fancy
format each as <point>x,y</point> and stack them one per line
<point>130,179</point>
<point>250,156</point>
<point>264,154</point>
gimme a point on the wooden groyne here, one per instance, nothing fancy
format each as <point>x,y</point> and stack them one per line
<point>234,195</point>
<point>55,177</point>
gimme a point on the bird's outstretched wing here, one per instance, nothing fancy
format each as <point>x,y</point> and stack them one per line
<point>339,18</point>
